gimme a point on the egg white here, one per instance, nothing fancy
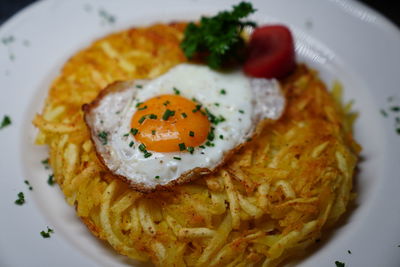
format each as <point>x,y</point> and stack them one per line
<point>242,101</point>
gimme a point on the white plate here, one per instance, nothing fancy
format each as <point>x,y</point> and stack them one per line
<point>342,39</point>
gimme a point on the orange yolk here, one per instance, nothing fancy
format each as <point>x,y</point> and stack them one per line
<point>166,122</point>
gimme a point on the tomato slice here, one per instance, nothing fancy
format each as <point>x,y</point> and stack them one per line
<point>270,52</point>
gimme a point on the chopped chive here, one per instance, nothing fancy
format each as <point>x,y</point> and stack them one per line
<point>177,158</point>
<point>139,86</point>
<point>153,132</point>
<point>168,113</point>
<point>202,146</point>
<point>166,103</point>
<point>216,104</point>
<point>138,104</point>
<point>198,107</point>
<point>191,133</point>
<point>103,137</point>
<point>142,148</point>
<point>190,149</point>
<point>21,199</point>
<point>211,135</point>
<point>131,144</point>
<point>176,91</point>
<point>395,109</point>
<point>153,116</point>
<point>349,251</point>
<point>183,115</point>
<point>50,180</point>
<point>118,112</point>
<point>222,92</point>
<point>6,121</point>
<point>28,184</point>
<point>141,120</point>
<point>195,100</point>
<point>241,111</point>
<point>221,136</point>
<point>208,143</point>
<point>147,154</point>
<point>398,130</point>
<point>134,131</point>
<point>157,177</point>
<point>47,234</point>
<point>45,163</point>
<point>339,264</point>
<point>142,108</point>
<point>384,113</point>
<point>182,146</point>
<point>125,135</point>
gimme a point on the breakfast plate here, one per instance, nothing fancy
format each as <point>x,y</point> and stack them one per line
<point>343,40</point>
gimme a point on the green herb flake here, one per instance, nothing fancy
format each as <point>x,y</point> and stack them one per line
<point>46,163</point>
<point>190,149</point>
<point>131,144</point>
<point>5,122</point>
<point>28,184</point>
<point>176,91</point>
<point>107,16</point>
<point>103,137</point>
<point>7,40</point>
<point>395,109</point>
<point>216,104</point>
<point>157,177</point>
<point>339,264</point>
<point>46,234</point>
<point>142,148</point>
<point>202,146</point>
<point>198,107</point>
<point>182,146</point>
<point>166,103</point>
<point>221,137</point>
<point>168,113</point>
<point>138,104</point>
<point>398,131</point>
<point>134,131</point>
<point>147,154</point>
<point>125,135</point>
<point>191,133</point>
<point>211,135</point>
<point>141,120</point>
<point>241,111</point>
<point>50,180</point>
<point>384,113</point>
<point>349,251</point>
<point>219,37</point>
<point>21,199</point>
<point>183,114</point>
<point>153,132</point>
<point>222,92</point>
<point>177,158</point>
<point>139,86</point>
<point>153,116</point>
<point>142,108</point>
<point>208,143</point>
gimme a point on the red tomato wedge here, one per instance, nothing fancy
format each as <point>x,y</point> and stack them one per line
<point>270,52</point>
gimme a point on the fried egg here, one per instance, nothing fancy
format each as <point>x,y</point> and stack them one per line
<point>179,126</point>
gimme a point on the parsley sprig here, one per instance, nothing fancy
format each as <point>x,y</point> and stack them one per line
<point>218,37</point>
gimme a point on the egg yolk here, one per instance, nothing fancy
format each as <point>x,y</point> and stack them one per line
<point>170,123</point>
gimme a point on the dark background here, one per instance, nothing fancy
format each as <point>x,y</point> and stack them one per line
<point>389,8</point>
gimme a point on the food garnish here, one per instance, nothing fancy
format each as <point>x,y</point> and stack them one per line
<point>219,37</point>
<point>5,122</point>
<point>270,52</point>
<point>21,199</point>
<point>45,234</point>
<point>339,264</point>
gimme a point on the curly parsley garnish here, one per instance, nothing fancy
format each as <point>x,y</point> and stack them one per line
<point>218,37</point>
